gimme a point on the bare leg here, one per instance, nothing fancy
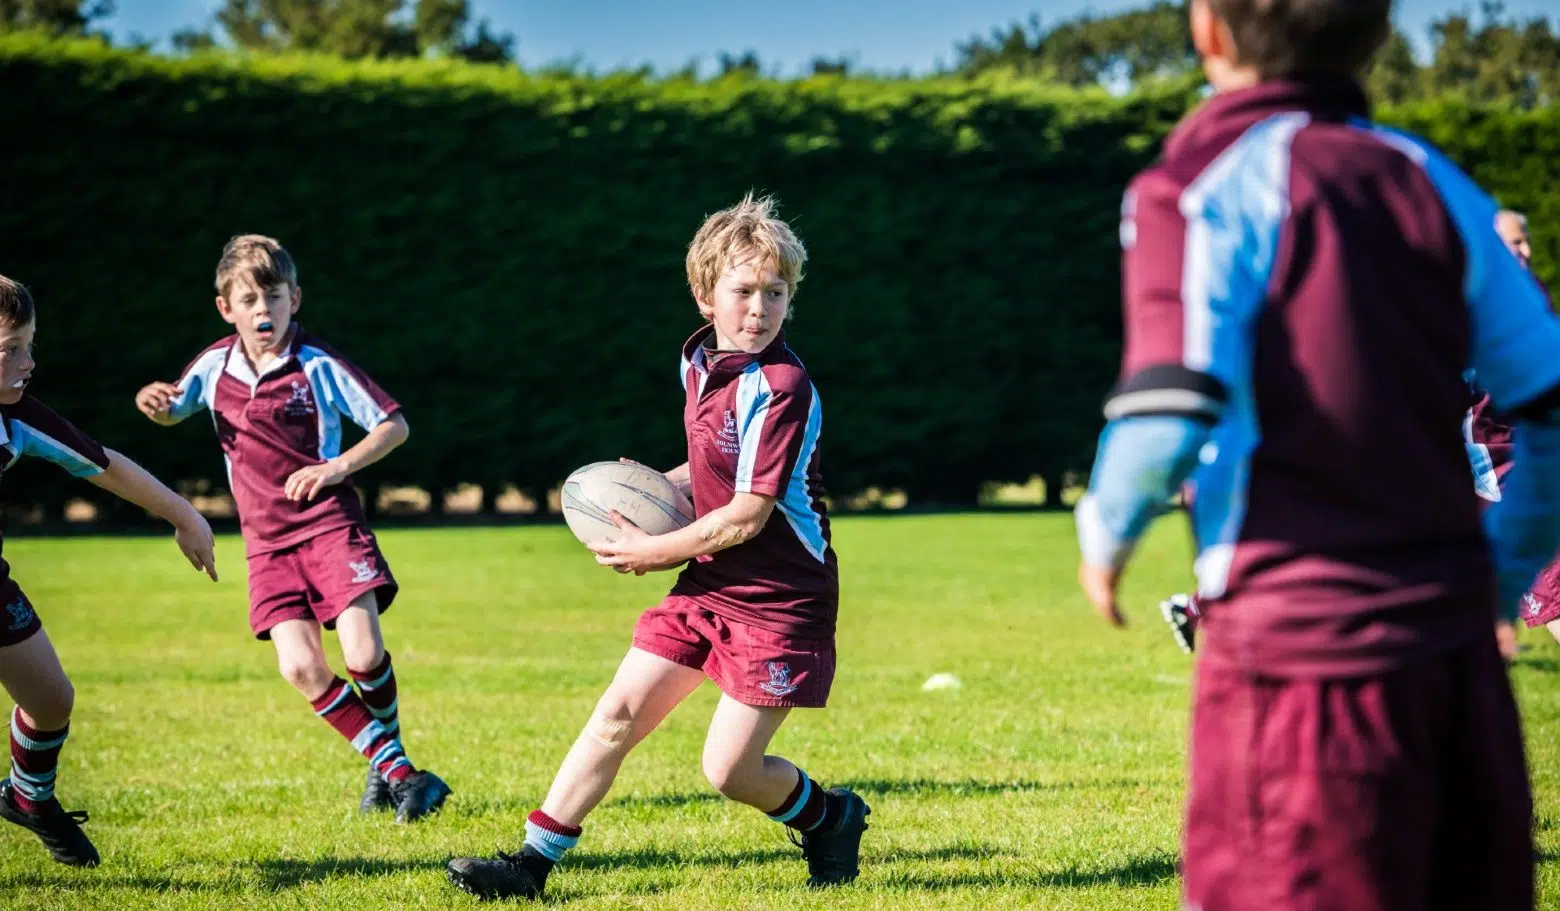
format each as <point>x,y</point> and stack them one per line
<point>301,658</point>
<point>647,687</point>
<point>362,644</point>
<point>734,759</point>
<point>31,673</point>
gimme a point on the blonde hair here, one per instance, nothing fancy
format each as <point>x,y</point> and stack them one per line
<point>261,259</point>
<point>733,235</point>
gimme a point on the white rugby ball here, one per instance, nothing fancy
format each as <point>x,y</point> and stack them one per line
<point>641,495</point>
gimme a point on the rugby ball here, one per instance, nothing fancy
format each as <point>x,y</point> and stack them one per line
<point>641,495</point>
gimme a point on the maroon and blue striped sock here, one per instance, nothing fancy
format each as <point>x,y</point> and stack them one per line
<point>378,691</point>
<point>343,709</point>
<point>35,759</point>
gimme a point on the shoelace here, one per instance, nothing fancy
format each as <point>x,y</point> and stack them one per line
<point>814,862</point>
<point>76,816</point>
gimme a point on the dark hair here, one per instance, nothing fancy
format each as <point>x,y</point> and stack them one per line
<point>1287,37</point>
<point>16,305</point>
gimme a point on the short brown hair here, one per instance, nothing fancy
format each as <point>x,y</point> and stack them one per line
<point>16,304</point>
<point>733,234</point>
<point>1288,37</point>
<point>261,259</point>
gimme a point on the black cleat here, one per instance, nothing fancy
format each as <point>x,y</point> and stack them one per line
<point>418,795</point>
<point>1177,611</point>
<point>834,854</point>
<point>59,830</point>
<point>376,794</point>
<point>503,876</point>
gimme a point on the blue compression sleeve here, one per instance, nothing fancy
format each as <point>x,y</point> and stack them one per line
<point>1142,463</point>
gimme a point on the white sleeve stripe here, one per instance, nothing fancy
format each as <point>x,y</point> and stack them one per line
<point>199,383</point>
<point>325,420</point>
<point>360,404</point>
<point>753,398</point>
<point>1234,212</point>
<point>1163,401</point>
<point>351,396</point>
<point>797,505</point>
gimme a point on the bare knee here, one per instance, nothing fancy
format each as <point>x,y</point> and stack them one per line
<point>357,628</point>
<point>51,711</point>
<point>731,775</point>
<point>308,674</point>
<point>361,656</point>
<point>611,725</point>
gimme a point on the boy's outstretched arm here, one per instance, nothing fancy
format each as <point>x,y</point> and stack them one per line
<point>306,483</point>
<point>129,481</point>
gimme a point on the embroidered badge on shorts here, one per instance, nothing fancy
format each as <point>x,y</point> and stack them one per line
<point>362,571</point>
<point>779,682</point>
<point>20,613</point>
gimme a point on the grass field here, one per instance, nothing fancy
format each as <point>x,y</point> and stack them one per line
<point>1053,779</point>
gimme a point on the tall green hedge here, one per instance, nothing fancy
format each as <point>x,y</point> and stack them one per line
<point>504,252</point>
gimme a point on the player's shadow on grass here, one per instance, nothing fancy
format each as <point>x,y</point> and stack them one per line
<point>913,787</point>
<point>94,880</point>
<point>972,787</point>
<point>289,873</point>
<point>1146,870</point>
<point>666,877</point>
<point>650,858</point>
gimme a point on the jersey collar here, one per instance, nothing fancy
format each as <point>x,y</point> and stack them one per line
<point>696,354</point>
<point>238,365</point>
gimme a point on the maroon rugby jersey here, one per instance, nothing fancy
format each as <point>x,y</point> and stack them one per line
<point>753,423</point>
<point>272,424</point>
<point>1329,273</point>
<point>30,428</point>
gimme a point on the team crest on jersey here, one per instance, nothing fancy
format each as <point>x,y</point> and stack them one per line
<point>299,404</point>
<point>727,438</point>
<point>779,682</point>
<point>362,571</point>
<point>1534,606</point>
<point>20,613</point>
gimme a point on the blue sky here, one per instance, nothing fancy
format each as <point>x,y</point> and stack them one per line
<point>889,35</point>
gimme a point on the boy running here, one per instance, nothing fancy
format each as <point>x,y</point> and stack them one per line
<point>276,396</point>
<point>754,607</point>
<point>29,668</point>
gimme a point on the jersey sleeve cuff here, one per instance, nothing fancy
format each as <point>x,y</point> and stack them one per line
<point>1169,390</point>
<point>760,488</point>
